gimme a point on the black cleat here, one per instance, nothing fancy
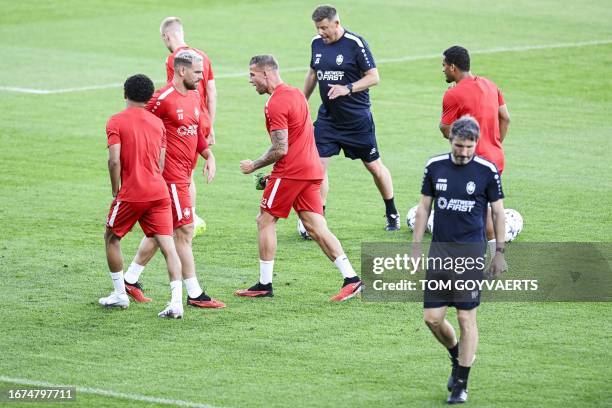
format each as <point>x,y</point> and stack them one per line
<point>393,222</point>
<point>453,377</point>
<point>257,290</point>
<point>459,393</point>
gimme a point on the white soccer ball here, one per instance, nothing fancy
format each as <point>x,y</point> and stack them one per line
<point>302,230</point>
<point>514,224</point>
<point>411,217</point>
<point>430,224</point>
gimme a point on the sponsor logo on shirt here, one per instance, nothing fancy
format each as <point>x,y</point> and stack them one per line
<point>339,59</point>
<point>470,187</point>
<point>190,130</point>
<point>455,204</point>
<point>330,75</point>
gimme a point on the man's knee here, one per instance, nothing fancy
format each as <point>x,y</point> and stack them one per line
<point>264,220</point>
<point>376,168</point>
<point>184,234</point>
<point>466,319</point>
<point>433,320</point>
<point>110,237</point>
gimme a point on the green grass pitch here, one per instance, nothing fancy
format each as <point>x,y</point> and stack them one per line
<point>552,61</point>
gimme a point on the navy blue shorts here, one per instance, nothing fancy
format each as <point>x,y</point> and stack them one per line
<point>355,145</point>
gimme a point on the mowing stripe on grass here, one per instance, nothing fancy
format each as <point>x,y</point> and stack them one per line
<point>106,393</point>
<point>303,68</point>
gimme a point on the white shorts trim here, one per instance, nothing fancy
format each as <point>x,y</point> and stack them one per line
<point>111,220</point>
<point>177,203</point>
<point>273,193</point>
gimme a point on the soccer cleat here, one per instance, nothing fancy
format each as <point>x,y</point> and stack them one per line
<point>172,311</point>
<point>349,290</point>
<point>393,222</point>
<point>199,225</point>
<point>452,378</point>
<point>115,300</point>
<point>205,301</point>
<point>302,230</point>
<point>459,393</point>
<point>135,292</point>
<point>257,290</point>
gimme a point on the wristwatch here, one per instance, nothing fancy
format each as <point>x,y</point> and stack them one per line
<point>350,87</point>
<point>500,250</point>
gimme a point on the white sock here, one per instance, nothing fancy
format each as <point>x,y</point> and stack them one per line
<point>193,287</point>
<point>266,268</point>
<point>118,283</point>
<point>492,247</point>
<point>345,267</point>
<point>133,273</point>
<point>176,287</point>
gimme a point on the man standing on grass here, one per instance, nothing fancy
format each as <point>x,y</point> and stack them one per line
<point>295,180</point>
<point>460,185</point>
<point>136,149</point>
<point>342,65</point>
<point>479,97</point>
<point>171,30</point>
<point>178,105</point>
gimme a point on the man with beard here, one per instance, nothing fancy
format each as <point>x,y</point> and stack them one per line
<point>178,105</point>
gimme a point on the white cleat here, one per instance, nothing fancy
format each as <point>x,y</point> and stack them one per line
<point>172,311</point>
<point>115,300</point>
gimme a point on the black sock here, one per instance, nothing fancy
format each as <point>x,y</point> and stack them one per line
<point>463,374</point>
<point>454,352</point>
<point>390,206</point>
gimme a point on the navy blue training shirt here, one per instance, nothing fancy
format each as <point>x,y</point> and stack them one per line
<point>460,195</point>
<point>343,62</point>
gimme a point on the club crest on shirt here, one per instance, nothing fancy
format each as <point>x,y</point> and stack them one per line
<point>470,187</point>
<point>339,59</point>
<point>186,212</point>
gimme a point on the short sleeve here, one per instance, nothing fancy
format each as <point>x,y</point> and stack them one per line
<point>500,98</point>
<point>494,189</point>
<point>211,76</point>
<point>164,140</point>
<point>169,68</point>
<point>450,109</point>
<point>112,132</point>
<point>427,188</point>
<point>154,105</point>
<point>277,114</point>
<point>365,60</point>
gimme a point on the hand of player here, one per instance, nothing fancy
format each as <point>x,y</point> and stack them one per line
<point>210,167</point>
<point>417,253</point>
<point>246,166</point>
<point>210,139</point>
<point>498,266</point>
<point>337,90</point>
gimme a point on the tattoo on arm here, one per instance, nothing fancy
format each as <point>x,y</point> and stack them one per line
<point>280,145</point>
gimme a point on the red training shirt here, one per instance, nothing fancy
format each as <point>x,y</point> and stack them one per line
<point>479,97</point>
<point>187,126</point>
<point>287,109</point>
<point>207,74</point>
<point>141,136</point>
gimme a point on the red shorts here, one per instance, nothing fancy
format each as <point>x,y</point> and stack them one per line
<point>181,204</point>
<point>282,194</point>
<point>154,217</point>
